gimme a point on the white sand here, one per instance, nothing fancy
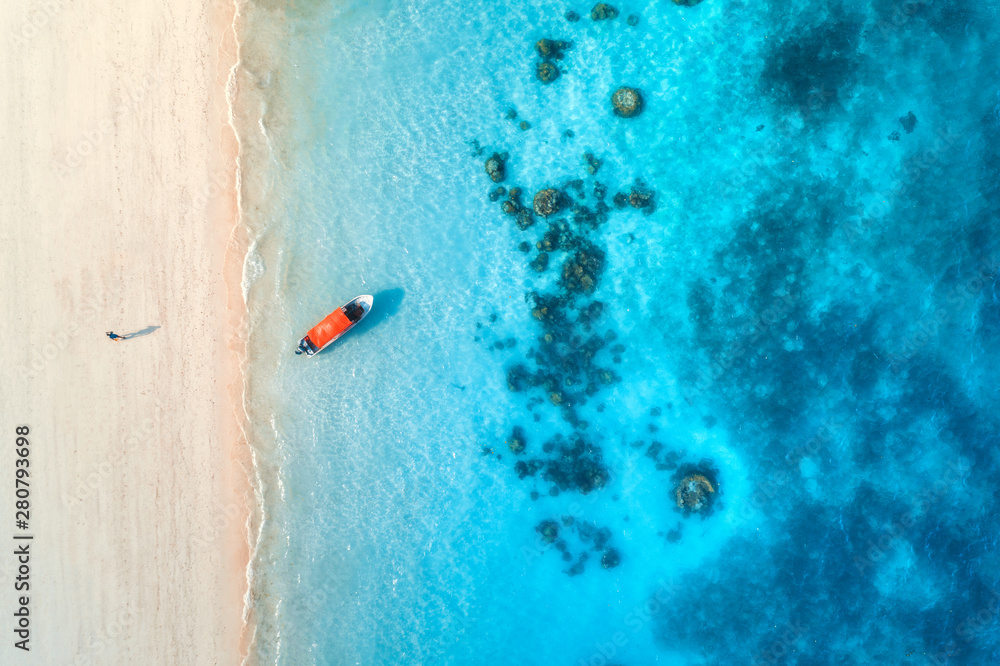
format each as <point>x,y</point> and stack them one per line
<point>116,213</point>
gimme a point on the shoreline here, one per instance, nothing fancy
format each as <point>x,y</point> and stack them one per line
<point>122,214</point>
<point>228,25</point>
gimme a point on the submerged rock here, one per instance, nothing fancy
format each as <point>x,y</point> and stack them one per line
<point>687,3</point>
<point>909,121</point>
<point>632,20</point>
<point>593,164</point>
<point>552,237</point>
<point>577,467</point>
<point>642,198</point>
<point>552,48</point>
<point>571,16</point>
<point>588,316</point>
<point>495,167</point>
<point>523,217</point>
<point>603,12</point>
<point>610,559</point>
<point>581,272</point>
<point>548,202</point>
<point>518,378</point>
<point>601,537</point>
<point>525,125</point>
<point>694,493</point>
<point>541,262</point>
<point>546,71</point>
<point>516,443</point>
<point>627,102</point>
<point>549,529</point>
<point>524,468</point>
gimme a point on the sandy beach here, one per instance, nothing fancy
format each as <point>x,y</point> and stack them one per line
<point>118,214</point>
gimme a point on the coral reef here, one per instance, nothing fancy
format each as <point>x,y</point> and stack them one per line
<point>552,48</point>
<point>909,122</point>
<point>578,467</point>
<point>593,164</point>
<point>548,202</point>
<point>581,271</point>
<point>495,167</point>
<point>517,442</point>
<point>513,207</point>
<point>549,530</point>
<point>603,12</point>
<point>541,262</point>
<point>627,102</point>
<point>694,494</point>
<point>642,198</point>
<point>546,71</point>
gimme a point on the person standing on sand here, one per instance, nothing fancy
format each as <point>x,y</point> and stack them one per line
<point>114,336</point>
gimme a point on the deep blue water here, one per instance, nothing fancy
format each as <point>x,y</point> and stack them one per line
<point>803,309</point>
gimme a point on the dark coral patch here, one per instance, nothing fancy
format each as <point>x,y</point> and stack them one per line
<point>810,69</point>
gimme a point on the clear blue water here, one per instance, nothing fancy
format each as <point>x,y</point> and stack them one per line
<point>809,317</point>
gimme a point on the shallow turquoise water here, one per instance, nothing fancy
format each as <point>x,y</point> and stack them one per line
<point>809,316</point>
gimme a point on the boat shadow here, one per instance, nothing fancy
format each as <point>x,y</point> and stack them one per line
<point>385,304</point>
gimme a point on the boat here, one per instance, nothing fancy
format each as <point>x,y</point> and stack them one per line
<point>338,322</point>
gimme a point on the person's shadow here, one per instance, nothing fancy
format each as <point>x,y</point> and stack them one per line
<point>139,334</point>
